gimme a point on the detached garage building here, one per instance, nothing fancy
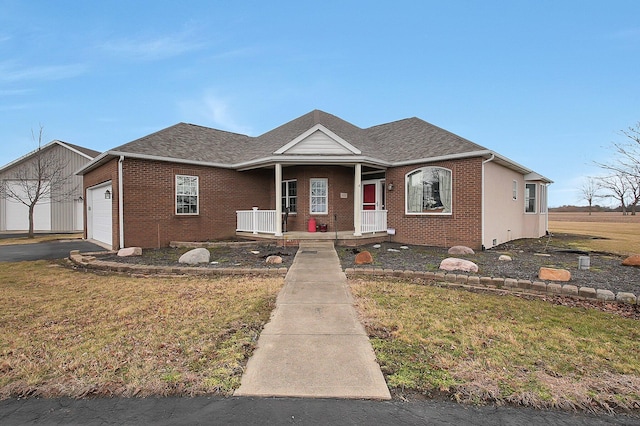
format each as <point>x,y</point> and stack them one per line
<point>54,213</point>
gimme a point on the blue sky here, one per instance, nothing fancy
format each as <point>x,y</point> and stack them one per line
<point>549,84</point>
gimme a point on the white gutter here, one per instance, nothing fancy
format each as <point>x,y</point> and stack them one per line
<point>120,203</point>
<point>482,215</point>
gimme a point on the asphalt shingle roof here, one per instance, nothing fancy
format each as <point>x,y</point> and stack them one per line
<point>399,141</point>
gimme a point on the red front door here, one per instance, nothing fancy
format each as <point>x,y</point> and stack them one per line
<point>369,196</point>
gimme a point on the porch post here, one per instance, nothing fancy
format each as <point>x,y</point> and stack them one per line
<point>357,200</point>
<point>278,200</point>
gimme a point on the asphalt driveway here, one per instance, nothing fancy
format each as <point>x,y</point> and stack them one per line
<point>45,250</point>
<point>260,411</point>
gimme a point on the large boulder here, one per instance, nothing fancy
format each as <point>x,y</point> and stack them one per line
<point>363,258</point>
<point>195,256</point>
<point>453,264</point>
<point>130,251</point>
<point>633,260</point>
<point>460,250</point>
<point>553,274</point>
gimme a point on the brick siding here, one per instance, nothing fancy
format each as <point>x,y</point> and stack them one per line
<point>149,202</point>
<point>462,227</point>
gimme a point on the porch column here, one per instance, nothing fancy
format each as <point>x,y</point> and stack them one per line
<point>278,200</point>
<point>357,200</point>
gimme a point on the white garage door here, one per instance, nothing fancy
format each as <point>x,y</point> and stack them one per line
<point>99,213</point>
<point>17,214</point>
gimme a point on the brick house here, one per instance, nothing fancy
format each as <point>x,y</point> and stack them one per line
<point>420,183</point>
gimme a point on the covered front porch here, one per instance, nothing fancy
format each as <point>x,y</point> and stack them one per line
<point>319,202</point>
<point>256,223</point>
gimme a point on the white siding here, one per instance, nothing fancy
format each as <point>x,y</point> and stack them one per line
<point>318,143</point>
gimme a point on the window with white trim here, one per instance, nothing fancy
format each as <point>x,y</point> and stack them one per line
<point>319,196</point>
<point>530,198</point>
<point>187,194</point>
<point>290,195</point>
<point>514,190</point>
<point>429,191</point>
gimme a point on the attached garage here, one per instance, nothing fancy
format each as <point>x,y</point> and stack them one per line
<point>99,213</point>
<point>17,213</point>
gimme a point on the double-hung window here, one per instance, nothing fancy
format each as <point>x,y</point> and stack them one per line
<point>530,198</point>
<point>187,194</point>
<point>290,196</point>
<point>319,196</point>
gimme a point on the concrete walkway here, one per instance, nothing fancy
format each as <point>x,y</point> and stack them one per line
<point>314,345</point>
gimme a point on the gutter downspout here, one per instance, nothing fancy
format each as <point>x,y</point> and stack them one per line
<point>483,194</point>
<point>120,203</point>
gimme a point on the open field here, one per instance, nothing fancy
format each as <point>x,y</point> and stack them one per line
<point>484,348</point>
<point>70,333</point>
<point>616,233</point>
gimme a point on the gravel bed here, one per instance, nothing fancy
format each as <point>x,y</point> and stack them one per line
<point>241,256</point>
<point>605,272</point>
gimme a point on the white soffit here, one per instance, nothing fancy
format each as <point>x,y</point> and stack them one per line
<point>318,140</point>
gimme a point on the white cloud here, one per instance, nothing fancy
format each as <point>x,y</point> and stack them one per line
<point>11,72</point>
<point>213,111</point>
<point>153,48</point>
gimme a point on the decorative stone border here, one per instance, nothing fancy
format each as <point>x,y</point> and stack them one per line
<point>503,284</point>
<point>87,260</point>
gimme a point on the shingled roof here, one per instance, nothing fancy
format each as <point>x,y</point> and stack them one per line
<point>399,142</point>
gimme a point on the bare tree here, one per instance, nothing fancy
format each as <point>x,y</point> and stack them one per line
<point>618,186</point>
<point>589,191</point>
<point>41,178</point>
<point>627,152</point>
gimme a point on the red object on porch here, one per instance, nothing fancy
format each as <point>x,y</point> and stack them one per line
<point>312,224</point>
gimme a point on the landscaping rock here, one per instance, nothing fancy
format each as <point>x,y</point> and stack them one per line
<point>552,274</point>
<point>626,297</point>
<point>453,264</point>
<point>605,295</point>
<point>273,260</point>
<point>392,250</point>
<point>130,251</point>
<point>404,248</point>
<point>633,260</point>
<point>460,250</point>
<point>364,258</point>
<point>376,246</point>
<point>195,256</point>
<point>505,258</point>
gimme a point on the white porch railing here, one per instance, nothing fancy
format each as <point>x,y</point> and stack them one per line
<point>256,221</point>
<point>374,221</point>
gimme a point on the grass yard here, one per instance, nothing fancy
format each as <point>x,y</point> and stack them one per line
<point>483,348</point>
<point>70,333</point>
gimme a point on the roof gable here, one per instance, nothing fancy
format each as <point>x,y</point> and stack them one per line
<point>87,153</point>
<point>318,140</point>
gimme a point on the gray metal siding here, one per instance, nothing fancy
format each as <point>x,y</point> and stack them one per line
<point>63,213</point>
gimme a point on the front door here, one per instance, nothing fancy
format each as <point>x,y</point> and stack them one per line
<point>369,191</point>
